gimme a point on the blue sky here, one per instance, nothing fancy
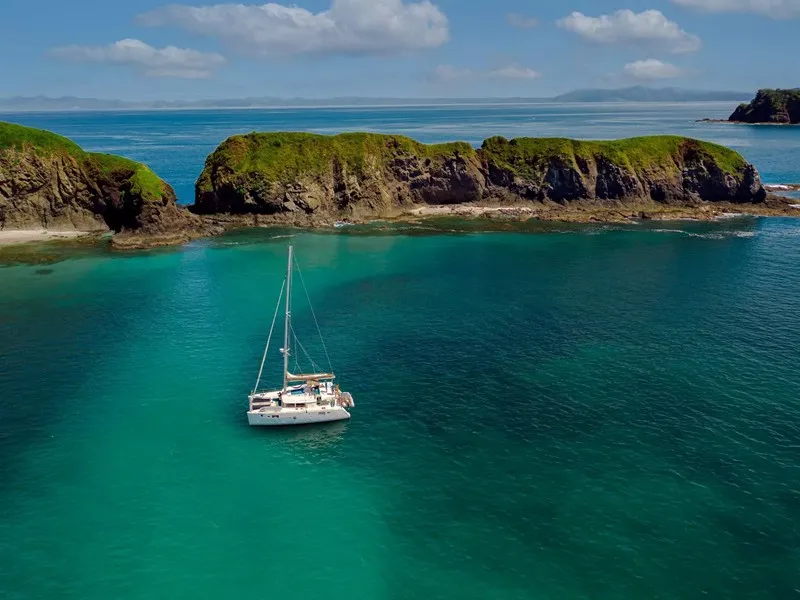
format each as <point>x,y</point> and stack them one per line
<point>147,49</point>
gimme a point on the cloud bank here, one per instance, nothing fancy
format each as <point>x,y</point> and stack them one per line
<point>347,27</point>
<point>152,62</point>
<point>649,27</point>
<point>449,73</point>
<point>651,70</point>
<point>777,9</point>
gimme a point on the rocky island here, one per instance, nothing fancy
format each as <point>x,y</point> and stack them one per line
<point>769,107</point>
<point>306,179</point>
<point>47,182</point>
<point>776,107</point>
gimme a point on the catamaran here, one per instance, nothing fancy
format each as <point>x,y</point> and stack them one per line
<point>304,398</point>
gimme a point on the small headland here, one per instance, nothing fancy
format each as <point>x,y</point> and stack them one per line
<point>50,188</point>
<point>769,107</point>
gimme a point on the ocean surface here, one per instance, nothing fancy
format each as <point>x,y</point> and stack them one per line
<point>573,412</point>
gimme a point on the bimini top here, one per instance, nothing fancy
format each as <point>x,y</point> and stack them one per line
<point>312,377</point>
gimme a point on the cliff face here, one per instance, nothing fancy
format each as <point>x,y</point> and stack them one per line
<point>47,181</point>
<point>770,106</point>
<point>352,173</point>
<point>372,175</point>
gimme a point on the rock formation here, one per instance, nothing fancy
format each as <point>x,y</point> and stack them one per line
<point>299,176</point>
<point>49,182</point>
<point>770,106</point>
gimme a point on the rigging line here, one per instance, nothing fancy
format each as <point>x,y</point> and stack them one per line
<point>296,367</point>
<point>314,365</point>
<point>313,314</point>
<point>269,339</point>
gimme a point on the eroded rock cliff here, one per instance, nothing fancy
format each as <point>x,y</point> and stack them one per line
<point>49,182</point>
<point>360,174</point>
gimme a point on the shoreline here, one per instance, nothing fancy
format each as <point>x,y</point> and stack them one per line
<point>729,122</point>
<point>10,237</point>
<point>782,187</point>
<point>493,216</point>
<point>602,214</point>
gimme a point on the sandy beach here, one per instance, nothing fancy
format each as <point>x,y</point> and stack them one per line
<point>782,187</point>
<point>468,210</point>
<point>590,213</point>
<point>21,236</point>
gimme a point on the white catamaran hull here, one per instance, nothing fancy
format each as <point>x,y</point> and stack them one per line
<point>291,416</point>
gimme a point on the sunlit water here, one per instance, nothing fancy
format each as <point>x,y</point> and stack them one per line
<point>582,412</point>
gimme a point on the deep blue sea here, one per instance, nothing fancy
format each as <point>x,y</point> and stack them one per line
<point>592,412</point>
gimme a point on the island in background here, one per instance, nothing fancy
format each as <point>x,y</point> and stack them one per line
<point>769,107</point>
<point>307,180</point>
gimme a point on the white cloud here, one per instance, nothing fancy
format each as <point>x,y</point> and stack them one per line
<point>627,27</point>
<point>449,73</point>
<point>777,9</point>
<point>153,62</point>
<point>651,70</point>
<point>521,21</point>
<point>347,27</point>
<point>446,73</point>
<point>514,72</point>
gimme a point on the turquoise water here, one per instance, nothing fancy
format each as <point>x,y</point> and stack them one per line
<point>575,412</point>
<point>176,143</point>
<point>598,413</point>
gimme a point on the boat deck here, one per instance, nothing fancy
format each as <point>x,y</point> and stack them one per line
<point>294,400</point>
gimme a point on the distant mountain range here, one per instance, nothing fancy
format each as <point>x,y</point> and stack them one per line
<point>631,94</point>
<point>646,94</point>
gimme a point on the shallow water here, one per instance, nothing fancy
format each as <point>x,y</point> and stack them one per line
<point>607,412</point>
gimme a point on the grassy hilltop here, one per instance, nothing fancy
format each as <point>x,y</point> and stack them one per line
<point>20,140</point>
<point>286,156</point>
<point>635,155</point>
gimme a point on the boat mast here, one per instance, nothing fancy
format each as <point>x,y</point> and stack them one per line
<point>269,338</point>
<point>288,322</point>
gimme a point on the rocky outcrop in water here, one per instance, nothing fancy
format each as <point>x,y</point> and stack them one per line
<point>48,182</point>
<point>776,107</point>
<point>300,175</point>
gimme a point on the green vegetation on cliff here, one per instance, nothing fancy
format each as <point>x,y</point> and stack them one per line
<point>770,106</point>
<point>529,157</point>
<point>364,174</point>
<point>285,157</point>
<point>143,181</point>
<point>44,143</point>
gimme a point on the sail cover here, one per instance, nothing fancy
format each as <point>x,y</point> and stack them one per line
<point>312,377</point>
